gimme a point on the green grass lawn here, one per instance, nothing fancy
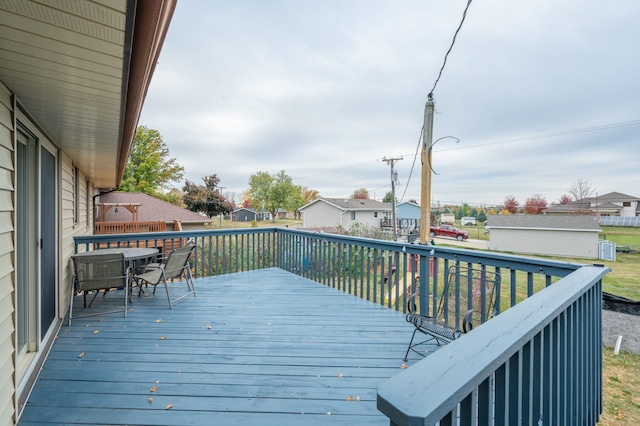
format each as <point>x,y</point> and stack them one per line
<point>621,388</point>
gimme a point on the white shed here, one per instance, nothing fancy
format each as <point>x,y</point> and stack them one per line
<point>553,235</point>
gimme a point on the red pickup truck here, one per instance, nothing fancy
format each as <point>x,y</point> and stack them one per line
<point>449,231</point>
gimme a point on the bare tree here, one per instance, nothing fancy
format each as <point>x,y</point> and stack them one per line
<point>582,188</point>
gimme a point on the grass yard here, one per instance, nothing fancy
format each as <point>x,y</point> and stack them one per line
<point>621,389</point>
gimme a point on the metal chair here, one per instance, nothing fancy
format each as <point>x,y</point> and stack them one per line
<point>175,266</point>
<point>467,300</point>
<point>95,272</point>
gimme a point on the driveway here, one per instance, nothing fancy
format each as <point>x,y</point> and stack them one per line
<point>470,244</point>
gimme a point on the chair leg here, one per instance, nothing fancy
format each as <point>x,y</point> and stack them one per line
<point>406,356</point>
<point>71,303</point>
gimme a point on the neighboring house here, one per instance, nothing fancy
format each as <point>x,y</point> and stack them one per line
<point>245,214</point>
<point>611,204</point>
<point>552,235</point>
<point>333,212</point>
<point>408,210</point>
<point>148,209</point>
<point>73,77</point>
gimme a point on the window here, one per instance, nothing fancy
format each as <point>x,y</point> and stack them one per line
<point>88,202</point>
<point>375,214</point>
<point>353,215</point>
<point>626,204</point>
<point>76,196</point>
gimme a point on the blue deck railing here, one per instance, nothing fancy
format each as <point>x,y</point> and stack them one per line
<point>541,359</point>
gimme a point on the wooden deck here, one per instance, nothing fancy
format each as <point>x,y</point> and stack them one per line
<point>253,348</point>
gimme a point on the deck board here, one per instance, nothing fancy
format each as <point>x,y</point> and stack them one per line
<point>262,347</point>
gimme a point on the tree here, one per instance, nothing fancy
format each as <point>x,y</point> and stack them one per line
<point>465,210</point>
<point>207,198</point>
<point>535,204</point>
<point>511,204</point>
<point>149,168</point>
<point>309,194</point>
<point>482,216</point>
<point>565,199</point>
<point>360,194</point>
<point>581,189</point>
<point>388,197</point>
<point>273,192</point>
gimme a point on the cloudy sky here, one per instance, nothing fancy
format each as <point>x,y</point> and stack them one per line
<point>539,93</point>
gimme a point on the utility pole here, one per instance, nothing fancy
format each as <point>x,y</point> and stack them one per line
<point>425,190</point>
<point>220,188</point>
<point>394,178</point>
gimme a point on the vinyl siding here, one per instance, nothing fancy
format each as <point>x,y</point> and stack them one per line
<point>69,228</point>
<point>321,214</point>
<point>545,242</point>
<point>7,281</point>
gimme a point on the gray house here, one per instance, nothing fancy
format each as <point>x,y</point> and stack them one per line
<point>553,235</point>
<point>611,204</point>
<point>408,210</point>
<point>245,214</point>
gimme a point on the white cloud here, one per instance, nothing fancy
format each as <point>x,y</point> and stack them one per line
<point>325,90</point>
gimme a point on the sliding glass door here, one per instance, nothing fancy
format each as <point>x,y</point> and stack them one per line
<point>36,241</point>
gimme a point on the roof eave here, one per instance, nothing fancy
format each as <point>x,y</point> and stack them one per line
<point>146,32</point>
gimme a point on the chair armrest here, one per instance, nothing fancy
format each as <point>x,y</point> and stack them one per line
<point>467,323</point>
<point>411,304</point>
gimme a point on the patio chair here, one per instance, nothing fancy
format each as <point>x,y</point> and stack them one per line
<point>95,272</point>
<point>176,265</point>
<point>467,300</point>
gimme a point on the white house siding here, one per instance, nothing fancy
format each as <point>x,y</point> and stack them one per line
<point>545,242</point>
<point>365,217</point>
<point>7,290</point>
<point>321,214</point>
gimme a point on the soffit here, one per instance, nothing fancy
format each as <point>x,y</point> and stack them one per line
<point>66,62</point>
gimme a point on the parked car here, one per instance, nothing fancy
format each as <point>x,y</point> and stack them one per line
<point>449,231</point>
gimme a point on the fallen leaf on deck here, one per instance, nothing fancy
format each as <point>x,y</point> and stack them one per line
<point>340,376</point>
<point>350,398</point>
<point>162,337</point>
<point>168,407</point>
<point>159,320</point>
<point>208,327</point>
<point>81,355</point>
<point>357,398</point>
<point>96,331</point>
<point>150,400</point>
<point>153,389</point>
<point>403,366</point>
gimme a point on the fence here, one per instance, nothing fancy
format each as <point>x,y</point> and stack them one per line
<point>540,361</point>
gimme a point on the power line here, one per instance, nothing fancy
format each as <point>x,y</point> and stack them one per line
<point>464,15</point>
<point>550,135</point>
<point>525,138</point>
